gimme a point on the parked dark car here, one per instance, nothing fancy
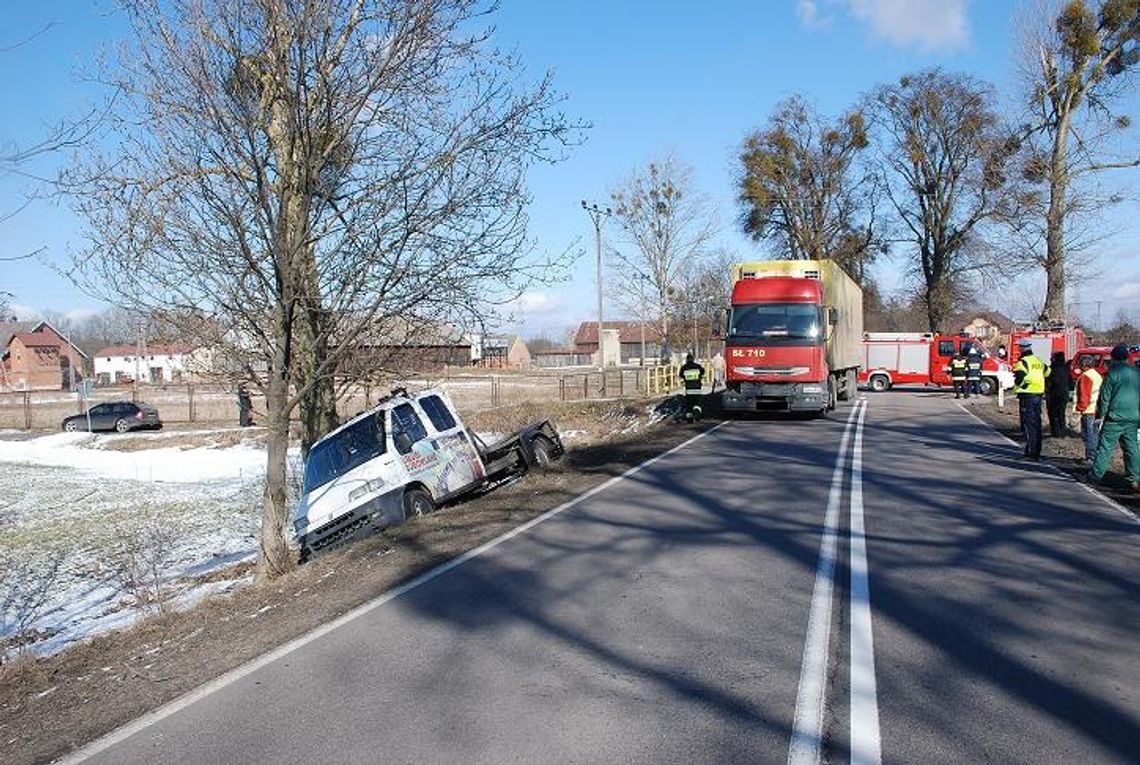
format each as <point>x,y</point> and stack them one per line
<point>116,415</point>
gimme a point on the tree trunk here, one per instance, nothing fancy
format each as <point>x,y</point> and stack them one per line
<point>1054,308</point>
<point>275,557</point>
<point>318,406</point>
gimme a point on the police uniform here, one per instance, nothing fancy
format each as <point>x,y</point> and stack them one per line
<point>692,374</point>
<point>1029,375</point>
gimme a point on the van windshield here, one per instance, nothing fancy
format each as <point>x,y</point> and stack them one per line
<point>340,453</point>
<point>797,321</point>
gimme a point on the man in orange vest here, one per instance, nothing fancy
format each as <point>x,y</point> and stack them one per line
<point>1088,388</point>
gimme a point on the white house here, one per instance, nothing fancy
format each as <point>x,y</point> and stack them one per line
<point>157,363</point>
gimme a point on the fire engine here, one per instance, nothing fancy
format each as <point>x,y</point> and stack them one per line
<point>1046,339</point>
<point>923,358</point>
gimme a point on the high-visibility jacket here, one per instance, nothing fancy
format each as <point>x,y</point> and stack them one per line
<point>1029,375</point>
<point>974,367</point>
<point>957,368</point>
<point>1088,388</point>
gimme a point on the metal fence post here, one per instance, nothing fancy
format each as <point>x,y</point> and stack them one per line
<point>190,396</point>
<point>27,410</point>
<point>561,388</point>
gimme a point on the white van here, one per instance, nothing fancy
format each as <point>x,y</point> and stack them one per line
<point>404,457</point>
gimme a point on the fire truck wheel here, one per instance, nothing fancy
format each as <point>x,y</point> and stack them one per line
<point>988,386</point>
<point>879,383</point>
<point>417,502</point>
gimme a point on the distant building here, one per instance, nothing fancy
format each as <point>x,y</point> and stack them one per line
<point>991,327</point>
<point>630,335</point>
<point>39,357</point>
<point>501,352</point>
<point>156,363</point>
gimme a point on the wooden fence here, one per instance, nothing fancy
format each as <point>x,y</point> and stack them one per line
<point>213,404</point>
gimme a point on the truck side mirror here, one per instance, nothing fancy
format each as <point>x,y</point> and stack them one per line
<point>833,316</point>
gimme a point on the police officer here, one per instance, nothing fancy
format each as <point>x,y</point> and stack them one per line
<point>1029,375</point>
<point>958,375</point>
<point>974,372</point>
<point>691,375</point>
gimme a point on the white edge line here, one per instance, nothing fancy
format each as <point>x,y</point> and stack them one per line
<point>807,729</point>
<point>120,734</point>
<point>1107,500</point>
<point>866,743</point>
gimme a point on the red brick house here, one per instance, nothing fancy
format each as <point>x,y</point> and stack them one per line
<point>39,358</point>
<point>630,334</point>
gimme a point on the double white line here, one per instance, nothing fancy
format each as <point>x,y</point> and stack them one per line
<point>806,746</point>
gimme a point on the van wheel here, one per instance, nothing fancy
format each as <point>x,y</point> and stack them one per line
<point>879,383</point>
<point>988,386</point>
<point>543,449</point>
<point>71,426</point>
<point>417,502</point>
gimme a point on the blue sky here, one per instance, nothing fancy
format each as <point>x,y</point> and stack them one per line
<point>652,78</point>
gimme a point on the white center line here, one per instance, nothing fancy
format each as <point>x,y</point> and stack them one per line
<point>865,742</point>
<point>807,732</point>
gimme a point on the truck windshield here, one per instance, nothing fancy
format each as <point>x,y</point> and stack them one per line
<point>340,453</point>
<point>796,321</point>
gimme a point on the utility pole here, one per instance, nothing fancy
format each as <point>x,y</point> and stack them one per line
<point>596,214</point>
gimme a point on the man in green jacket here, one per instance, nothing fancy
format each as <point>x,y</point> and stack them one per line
<point>1118,409</point>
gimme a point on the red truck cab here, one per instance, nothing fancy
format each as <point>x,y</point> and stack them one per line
<point>1100,354</point>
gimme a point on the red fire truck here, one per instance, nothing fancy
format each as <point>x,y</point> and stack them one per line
<point>923,358</point>
<point>1046,339</point>
<point>1100,356</point>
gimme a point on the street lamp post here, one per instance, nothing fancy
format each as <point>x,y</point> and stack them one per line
<point>596,214</point>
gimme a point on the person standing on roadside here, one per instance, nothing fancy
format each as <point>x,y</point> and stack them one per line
<point>1088,389</point>
<point>958,375</point>
<point>1118,411</point>
<point>692,375</point>
<point>1057,394</point>
<point>974,372</point>
<point>1029,375</point>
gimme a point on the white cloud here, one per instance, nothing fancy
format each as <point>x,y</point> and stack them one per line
<point>23,312</point>
<point>927,24</point>
<point>532,302</point>
<point>1126,291</point>
<point>808,11</point>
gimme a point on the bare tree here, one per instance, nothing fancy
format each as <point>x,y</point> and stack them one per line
<point>944,156</point>
<point>312,176</point>
<point>803,191</point>
<point>1076,62</point>
<point>665,226</point>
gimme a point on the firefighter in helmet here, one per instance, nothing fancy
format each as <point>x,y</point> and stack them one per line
<point>692,374</point>
<point>958,375</point>
<point>974,372</point>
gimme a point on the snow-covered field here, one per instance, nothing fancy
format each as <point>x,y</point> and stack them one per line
<point>91,536</point>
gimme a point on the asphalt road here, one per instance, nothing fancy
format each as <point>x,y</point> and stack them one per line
<point>988,613</point>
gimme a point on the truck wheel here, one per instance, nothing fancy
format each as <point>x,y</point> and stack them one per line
<point>543,449</point>
<point>417,502</point>
<point>832,395</point>
<point>849,386</point>
<point>122,426</point>
<point>879,383</point>
<point>988,386</point>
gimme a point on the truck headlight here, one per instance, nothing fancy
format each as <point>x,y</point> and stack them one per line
<point>812,389</point>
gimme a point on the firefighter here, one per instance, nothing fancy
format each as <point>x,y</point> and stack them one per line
<point>1118,409</point>
<point>691,375</point>
<point>974,372</point>
<point>958,375</point>
<point>1029,375</point>
<point>1088,389</point>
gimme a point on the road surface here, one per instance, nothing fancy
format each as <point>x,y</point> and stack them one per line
<point>887,585</point>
